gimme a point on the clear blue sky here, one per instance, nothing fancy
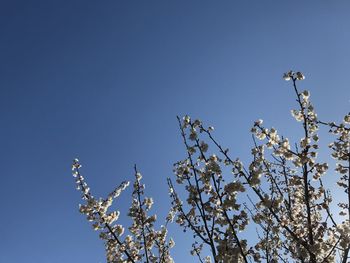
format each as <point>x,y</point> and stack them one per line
<point>104,80</point>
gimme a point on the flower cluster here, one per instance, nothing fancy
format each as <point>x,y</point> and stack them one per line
<point>211,210</point>
<point>143,243</point>
<point>291,75</point>
<point>289,204</point>
<point>292,206</point>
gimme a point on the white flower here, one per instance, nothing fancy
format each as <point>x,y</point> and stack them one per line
<point>138,176</point>
<point>207,259</point>
<point>171,243</point>
<point>306,94</point>
<point>149,202</point>
<point>187,119</point>
<point>258,122</point>
<point>300,76</point>
<point>287,76</point>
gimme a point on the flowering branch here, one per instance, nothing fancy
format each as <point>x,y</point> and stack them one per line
<point>290,205</point>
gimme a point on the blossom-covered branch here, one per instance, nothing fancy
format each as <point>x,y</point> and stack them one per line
<point>283,194</point>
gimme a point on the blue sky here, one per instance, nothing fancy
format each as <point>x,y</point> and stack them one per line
<point>104,81</point>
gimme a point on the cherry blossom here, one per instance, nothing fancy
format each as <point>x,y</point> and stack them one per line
<point>281,193</point>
